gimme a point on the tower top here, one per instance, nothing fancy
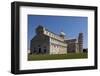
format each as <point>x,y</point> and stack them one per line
<point>40,26</point>
<point>39,29</point>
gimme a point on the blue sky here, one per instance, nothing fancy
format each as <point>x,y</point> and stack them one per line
<point>70,25</point>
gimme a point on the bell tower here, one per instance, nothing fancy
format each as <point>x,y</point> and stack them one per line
<point>80,41</point>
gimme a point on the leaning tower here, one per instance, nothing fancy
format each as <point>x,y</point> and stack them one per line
<point>80,41</point>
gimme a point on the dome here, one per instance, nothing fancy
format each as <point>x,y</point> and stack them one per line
<point>62,33</point>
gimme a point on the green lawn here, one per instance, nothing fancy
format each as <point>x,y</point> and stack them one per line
<point>57,56</point>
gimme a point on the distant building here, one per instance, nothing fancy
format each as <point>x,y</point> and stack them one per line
<point>47,42</point>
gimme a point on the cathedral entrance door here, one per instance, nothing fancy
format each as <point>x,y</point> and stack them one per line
<point>39,50</point>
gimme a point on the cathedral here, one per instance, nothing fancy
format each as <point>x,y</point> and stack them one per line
<point>47,42</point>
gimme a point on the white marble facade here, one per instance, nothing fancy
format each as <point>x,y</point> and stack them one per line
<point>48,42</point>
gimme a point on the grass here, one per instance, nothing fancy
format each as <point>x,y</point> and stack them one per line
<point>57,56</point>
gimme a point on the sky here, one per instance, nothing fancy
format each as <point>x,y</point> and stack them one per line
<point>70,25</point>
